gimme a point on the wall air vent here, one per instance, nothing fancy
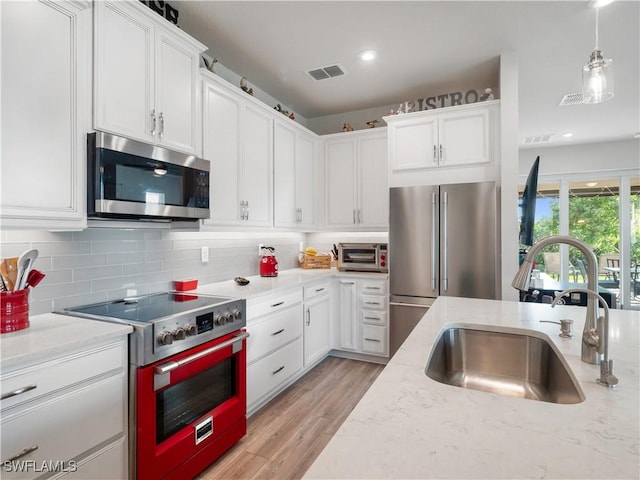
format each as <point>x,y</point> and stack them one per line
<point>571,99</point>
<point>537,139</point>
<point>322,73</point>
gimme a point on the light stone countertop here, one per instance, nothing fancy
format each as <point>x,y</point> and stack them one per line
<point>408,426</point>
<point>51,334</point>
<point>261,286</point>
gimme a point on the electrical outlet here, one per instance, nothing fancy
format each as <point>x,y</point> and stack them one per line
<point>260,245</point>
<point>204,254</point>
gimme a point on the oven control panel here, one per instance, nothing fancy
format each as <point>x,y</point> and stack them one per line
<point>200,326</point>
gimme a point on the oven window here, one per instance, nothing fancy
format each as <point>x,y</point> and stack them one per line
<point>359,255</point>
<point>181,404</point>
<point>129,178</point>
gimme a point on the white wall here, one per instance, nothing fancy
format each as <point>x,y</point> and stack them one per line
<point>583,158</point>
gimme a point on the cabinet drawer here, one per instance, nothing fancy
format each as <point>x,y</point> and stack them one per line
<point>374,317</point>
<point>374,339</point>
<point>61,372</point>
<point>107,463</point>
<point>65,426</point>
<point>273,303</point>
<point>313,291</point>
<point>373,287</point>
<point>273,370</point>
<point>273,331</point>
<point>374,302</point>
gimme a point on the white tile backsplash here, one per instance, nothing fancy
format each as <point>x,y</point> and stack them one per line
<point>99,264</point>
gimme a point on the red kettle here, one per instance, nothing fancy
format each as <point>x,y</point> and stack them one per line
<point>268,263</point>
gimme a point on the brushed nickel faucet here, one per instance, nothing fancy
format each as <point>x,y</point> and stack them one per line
<point>597,338</point>
<point>590,353</point>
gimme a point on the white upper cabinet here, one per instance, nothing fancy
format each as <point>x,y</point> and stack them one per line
<point>146,77</point>
<point>357,195</point>
<point>238,141</point>
<point>294,176</point>
<point>46,111</point>
<point>443,139</point>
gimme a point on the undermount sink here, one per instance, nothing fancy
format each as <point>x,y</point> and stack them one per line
<point>513,364</point>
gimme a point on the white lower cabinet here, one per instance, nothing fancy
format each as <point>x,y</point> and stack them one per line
<point>317,312</point>
<point>274,346</point>
<point>67,415</point>
<point>363,316</point>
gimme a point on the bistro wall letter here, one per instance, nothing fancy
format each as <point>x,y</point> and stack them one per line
<point>163,9</point>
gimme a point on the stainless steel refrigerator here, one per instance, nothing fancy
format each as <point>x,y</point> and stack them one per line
<point>443,240</point>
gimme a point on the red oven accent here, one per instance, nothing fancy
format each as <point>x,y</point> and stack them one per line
<point>178,456</point>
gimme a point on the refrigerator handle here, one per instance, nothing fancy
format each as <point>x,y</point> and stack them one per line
<point>445,241</point>
<point>434,240</point>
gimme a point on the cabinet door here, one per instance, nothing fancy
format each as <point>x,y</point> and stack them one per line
<point>123,80</point>
<point>284,176</point>
<point>413,145</point>
<point>305,179</point>
<point>464,138</point>
<point>316,330</point>
<point>340,164</point>
<point>221,146</point>
<point>257,157</point>
<point>348,315</point>
<point>373,183</point>
<point>46,88</point>
<point>177,99</point>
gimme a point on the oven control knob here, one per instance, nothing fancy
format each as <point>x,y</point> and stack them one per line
<point>228,317</point>
<point>237,314</point>
<point>219,320</point>
<point>191,330</point>
<point>165,338</point>
<point>179,333</point>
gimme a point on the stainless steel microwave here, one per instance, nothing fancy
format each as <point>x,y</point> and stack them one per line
<point>131,180</point>
<point>363,257</point>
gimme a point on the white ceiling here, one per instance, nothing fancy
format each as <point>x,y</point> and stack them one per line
<point>427,48</point>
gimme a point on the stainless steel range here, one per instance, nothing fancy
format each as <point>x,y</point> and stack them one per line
<point>168,323</point>
<point>187,379</point>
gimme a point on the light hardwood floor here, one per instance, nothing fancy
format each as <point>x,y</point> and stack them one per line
<point>284,438</point>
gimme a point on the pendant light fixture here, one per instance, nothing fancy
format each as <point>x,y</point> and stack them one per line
<point>597,75</point>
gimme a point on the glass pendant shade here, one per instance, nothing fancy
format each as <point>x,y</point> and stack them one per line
<point>597,79</point>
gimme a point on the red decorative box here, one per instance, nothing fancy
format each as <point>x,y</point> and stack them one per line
<point>185,285</point>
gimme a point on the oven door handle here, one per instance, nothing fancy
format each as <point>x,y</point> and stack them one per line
<point>168,367</point>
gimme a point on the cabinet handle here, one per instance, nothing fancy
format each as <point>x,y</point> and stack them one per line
<point>435,154</point>
<point>277,304</point>
<point>319,289</point>
<point>347,283</point>
<point>161,125</point>
<point>278,332</point>
<point>277,370</point>
<point>372,340</point>
<point>441,156</point>
<point>153,119</point>
<point>372,303</point>
<point>371,318</point>
<point>308,317</point>
<point>247,205</point>
<point>21,454</point>
<point>359,219</point>
<point>300,215</point>
<point>18,391</point>
<point>354,216</point>
<point>373,288</point>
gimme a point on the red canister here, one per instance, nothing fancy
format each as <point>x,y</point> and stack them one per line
<point>14,310</point>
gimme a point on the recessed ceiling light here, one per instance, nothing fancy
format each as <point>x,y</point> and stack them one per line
<point>591,184</point>
<point>367,55</point>
<point>567,135</point>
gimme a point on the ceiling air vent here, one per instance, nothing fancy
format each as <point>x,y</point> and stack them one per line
<point>537,139</point>
<point>326,72</point>
<point>571,99</point>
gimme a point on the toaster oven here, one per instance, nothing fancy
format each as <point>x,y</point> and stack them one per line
<point>363,257</point>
